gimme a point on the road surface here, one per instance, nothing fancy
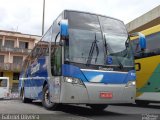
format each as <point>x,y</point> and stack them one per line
<point>76,112</point>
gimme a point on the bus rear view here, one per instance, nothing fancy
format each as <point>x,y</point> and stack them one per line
<point>89,62</point>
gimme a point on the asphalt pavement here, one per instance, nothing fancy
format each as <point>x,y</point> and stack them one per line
<point>15,109</point>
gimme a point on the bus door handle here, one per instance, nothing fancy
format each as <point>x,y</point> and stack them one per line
<point>137,66</point>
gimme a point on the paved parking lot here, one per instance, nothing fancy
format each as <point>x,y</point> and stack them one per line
<point>74,112</point>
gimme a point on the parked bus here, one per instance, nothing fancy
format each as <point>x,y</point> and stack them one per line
<point>4,87</point>
<point>83,58</point>
<point>147,62</point>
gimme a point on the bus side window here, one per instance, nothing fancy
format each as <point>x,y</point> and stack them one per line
<point>56,62</point>
<point>136,48</point>
<point>135,45</point>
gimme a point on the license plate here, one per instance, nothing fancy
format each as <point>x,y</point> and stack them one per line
<point>106,95</point>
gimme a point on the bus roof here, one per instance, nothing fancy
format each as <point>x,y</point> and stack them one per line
<point>82,12</point>
<point>149,31</point>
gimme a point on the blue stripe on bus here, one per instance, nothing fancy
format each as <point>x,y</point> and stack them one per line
<point>87,76</point>
<point>110,77</point>
<point>33,82</point>
<point>73,71</point>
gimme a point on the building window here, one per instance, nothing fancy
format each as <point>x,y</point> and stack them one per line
<point>1,74</point>
<point>16,76</point>
<point>9,43</point>
<point>23,45</point>
<point>17,59</point>
<point>0,42</point>
<point>1,58</point>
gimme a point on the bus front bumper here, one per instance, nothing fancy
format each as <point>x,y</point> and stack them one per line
<point>97,93</point>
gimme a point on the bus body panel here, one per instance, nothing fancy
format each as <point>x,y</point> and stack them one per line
<point>55,85</point>
<point>98,76</point>
<point>37,74</point>
<point>148,78</point>
<point>72,93</point>
<point>149,96</point>
<point>63,92</point>
<point>148,66</point>
<point>33,88</point>
<point>90,93</point>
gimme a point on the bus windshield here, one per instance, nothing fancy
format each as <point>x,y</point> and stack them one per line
<point>80,44</point>
<point>110,36</point>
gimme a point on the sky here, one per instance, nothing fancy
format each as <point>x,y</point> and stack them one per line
<point>25,16</point>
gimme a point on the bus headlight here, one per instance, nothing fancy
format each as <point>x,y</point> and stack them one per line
<point>72,80</point>
<point>131,83</point>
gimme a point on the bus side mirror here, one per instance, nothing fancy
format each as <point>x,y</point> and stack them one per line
<point>142,41</point>
<point>64,29</point>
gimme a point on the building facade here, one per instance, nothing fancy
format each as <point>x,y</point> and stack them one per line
<point>147,20</point>
<point>14,47</point>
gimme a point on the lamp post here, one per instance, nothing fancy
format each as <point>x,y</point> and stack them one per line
<point>43,17</point>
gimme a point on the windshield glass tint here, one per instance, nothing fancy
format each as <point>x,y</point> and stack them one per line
<point>110,25</point>
<point>3,83</point>
<point>116,37</point>
<point>83,21</point>
<point>82,30</point>
<point>80,42</point>
<point>120,53</point>
<point>112,41</point>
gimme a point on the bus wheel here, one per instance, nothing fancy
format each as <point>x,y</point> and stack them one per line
<point>24,99</point>
<point>45,101</point>
<point>98,107</point>
<point>141,103</point>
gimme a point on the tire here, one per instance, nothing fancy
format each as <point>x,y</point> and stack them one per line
<point>24,99</point>
<point>141,103</point>
<point>45,100</point>
<point>98,107</point>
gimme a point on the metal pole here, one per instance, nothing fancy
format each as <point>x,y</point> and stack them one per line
<point>43,17</point>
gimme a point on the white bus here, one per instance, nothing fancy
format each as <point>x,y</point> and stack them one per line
<point>4,87</point>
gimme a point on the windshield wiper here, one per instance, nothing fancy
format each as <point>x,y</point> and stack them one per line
<point>127,46</point>
<point>94,44</point>
<point>107,50</point>
<point>127,42</point>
